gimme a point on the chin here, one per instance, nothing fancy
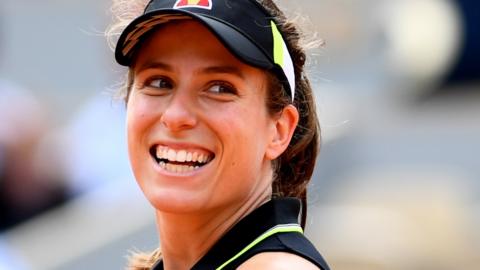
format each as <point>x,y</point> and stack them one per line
<point>177,201</point>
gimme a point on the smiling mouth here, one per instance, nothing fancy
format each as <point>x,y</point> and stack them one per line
<point>179,160</point>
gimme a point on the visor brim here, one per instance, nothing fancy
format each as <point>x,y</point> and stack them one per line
<point>237,43</point>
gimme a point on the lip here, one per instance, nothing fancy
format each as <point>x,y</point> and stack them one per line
<point>181,146</point>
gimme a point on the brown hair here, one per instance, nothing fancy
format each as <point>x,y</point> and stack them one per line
<point>294,168</point>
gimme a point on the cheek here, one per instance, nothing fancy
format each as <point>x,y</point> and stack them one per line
<point>247,132</point>
<point>138,115</point>
<point>135,120</point>
<point>138,121</point>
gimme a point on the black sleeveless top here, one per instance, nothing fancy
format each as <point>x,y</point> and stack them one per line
<point>271,227</point>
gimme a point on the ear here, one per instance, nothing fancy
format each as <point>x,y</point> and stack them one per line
<point>282,132</point>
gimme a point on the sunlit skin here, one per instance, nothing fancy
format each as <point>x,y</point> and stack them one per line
<point>190,93</point>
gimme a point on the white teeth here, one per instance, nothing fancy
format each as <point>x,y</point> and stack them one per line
<point>178,168</point>
<point>181,156</point>
<point>164,153</point>
<point>172,155</point>
<point>159,153</point>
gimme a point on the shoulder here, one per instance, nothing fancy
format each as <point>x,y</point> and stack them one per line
<point>277,261</point>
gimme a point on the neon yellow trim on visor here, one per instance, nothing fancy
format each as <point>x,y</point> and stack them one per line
<point>277,45</point>
<point>282,57</point>
<point>283,228</point>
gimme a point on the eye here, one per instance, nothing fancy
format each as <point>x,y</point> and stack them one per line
<point>222,88</point>
<point>161,83</point>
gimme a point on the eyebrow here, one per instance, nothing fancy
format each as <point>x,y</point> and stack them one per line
<point>225,69</point>
<point>155,65</point>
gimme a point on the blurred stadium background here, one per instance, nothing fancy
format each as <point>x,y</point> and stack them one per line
<point>397,183</point>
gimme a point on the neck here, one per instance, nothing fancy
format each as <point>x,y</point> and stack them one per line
<point>187,238</point>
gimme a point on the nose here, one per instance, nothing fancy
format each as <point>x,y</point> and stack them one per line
<point>179,114</point>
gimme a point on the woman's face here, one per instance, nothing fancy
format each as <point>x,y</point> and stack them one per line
<point>199,133</point>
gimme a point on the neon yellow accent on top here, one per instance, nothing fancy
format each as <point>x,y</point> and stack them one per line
<point>277,45</point>
<point>193,2</point>
<point>265,235</point>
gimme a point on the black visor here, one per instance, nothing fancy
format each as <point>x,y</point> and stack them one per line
<point>243,26</point>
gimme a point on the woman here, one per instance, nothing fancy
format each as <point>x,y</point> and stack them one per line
<point>220,120</point>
